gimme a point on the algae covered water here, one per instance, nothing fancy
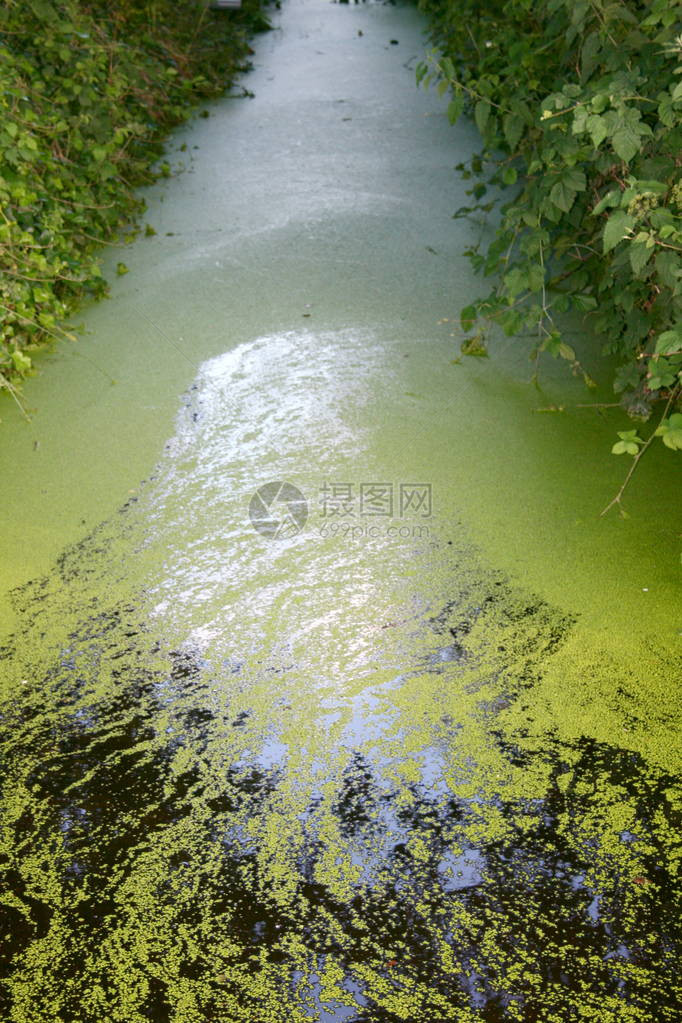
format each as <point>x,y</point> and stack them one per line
<point>325,693</point>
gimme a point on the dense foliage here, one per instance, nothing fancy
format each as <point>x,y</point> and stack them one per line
<point>579,103</point>
<point>87,90</point>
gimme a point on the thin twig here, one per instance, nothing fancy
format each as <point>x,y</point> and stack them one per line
<point>5,383</point>
<point>635,462</point>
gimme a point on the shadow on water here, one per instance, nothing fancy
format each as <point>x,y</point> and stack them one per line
<point>162,859</point>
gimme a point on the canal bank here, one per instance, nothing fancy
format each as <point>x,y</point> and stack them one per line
<point>399,774</point>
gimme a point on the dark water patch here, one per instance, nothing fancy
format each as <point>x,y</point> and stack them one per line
<point>173,851</point>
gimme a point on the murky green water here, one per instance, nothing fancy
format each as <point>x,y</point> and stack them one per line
<point>414,762</point>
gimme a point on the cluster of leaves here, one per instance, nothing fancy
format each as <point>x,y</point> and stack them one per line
<point>88,89</point>
<point>579,103</point>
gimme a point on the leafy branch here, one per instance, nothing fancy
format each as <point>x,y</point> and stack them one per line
<point>579,107</point>
<point>637,458</point>
<point>88,90</point>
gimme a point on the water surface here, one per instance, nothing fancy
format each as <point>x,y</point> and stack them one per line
<point>413,762</point>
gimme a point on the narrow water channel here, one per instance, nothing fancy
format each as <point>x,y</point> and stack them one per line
<point>325,694</point>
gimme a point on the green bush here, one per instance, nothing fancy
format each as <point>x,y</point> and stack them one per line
<point>88,88</point>
<point>579,103</point>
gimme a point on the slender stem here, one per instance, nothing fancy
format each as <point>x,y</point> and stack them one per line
<point>635,462</point>
<point>471,92</point>
<point>27,319</point>
<point>601,404</point>
<point>473,39</point>
<point>5,383</point>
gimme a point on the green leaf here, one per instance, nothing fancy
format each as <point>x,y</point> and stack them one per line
<point>628,444</point>
<point>630,435</point>
<point>671,432</point>
<point>596,126</point>
<point>626,139</point>
<point>611,198</point>
<point>624,447</point>
<point>513,126</point>
<point>121,269</point>
<point>562,196</point>
<point>455,108</point>
<point>481,115</point>
<point>640,254</point>
<point>669,342</point>
<point>657,187</point>
<point>22,363</point>
<point>666,111</point>
<point>523,278</point>
<point>475,346</point>
<point>552,344</point>
<point>468,317</point>
<point>589,54</point>
<point>627,376</point>
<point>626,143</point>
<point>661,374</point>
<point>668,267</point>
<point>585,303</point>
<point>616,228</point>
<point>563,192</point>
<point>511,321</point>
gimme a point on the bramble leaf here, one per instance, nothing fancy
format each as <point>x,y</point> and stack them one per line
<point>640,253</point>
<point>671,432</point>
<point>481,115</point>
<point>628,444</point>
<point>616,229</point>
<point>455,108</point>
<point>669,342</point>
